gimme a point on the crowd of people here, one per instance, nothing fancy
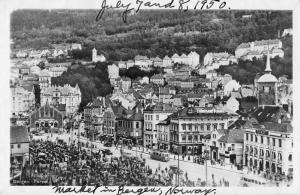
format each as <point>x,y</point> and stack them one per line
<point>60,164</point>
<point>57,163</point>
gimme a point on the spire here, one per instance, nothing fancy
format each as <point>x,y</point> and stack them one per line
<point>268,65</point>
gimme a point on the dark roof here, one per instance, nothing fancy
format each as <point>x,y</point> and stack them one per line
<point>160,107</point>
<point>233,136</point>
<point>137,117</point>
<point>18,134</point>
<point>270,113</point>
<point>273,126</point>
<point>119,110</point>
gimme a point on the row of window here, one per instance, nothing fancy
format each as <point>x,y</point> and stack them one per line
<point>12,146</point>
<point>254,151</point>
<point>202,126</point>
<point>263,140</point>
<point>149,117</point>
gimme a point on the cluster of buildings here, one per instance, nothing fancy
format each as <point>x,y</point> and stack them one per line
<point>235,124</point>
<point>145,63</point>
<point>176,111</point>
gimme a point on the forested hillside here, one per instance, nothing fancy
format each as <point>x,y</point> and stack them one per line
<point>151,32</point>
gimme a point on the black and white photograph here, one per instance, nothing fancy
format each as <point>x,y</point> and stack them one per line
<point>151,94</point>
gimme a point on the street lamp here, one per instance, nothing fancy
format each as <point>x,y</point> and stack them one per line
<point>206,156</point>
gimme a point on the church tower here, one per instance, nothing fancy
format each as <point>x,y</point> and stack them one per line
<point>267,87</point>
<point>94,55</point>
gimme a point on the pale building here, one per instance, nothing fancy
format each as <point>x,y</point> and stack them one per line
<point>35,70</point>
<point>44,79</point>
<point>76,46</point>
<point>167,61</point>
<point>258,46</point>
<point>190,125</point>
<point>113,73</point>
<point>96,57</point>
<point>287,31</point>
<point>67,95</point>
<point>232,85</point>
<point>22,100</point>
<point>153,114</point>
<point>57,71</point>
<point>219,59</point>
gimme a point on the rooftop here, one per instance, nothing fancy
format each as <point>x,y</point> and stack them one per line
<point>18,134</point>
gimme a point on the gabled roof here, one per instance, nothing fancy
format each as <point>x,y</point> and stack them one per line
<point>18,134</point>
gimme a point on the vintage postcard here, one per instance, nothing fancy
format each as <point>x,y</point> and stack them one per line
<point>150,97</point>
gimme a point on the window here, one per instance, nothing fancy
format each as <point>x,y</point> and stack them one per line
<point>208,127</point>
<point>247,136</point>
<point>290,157</point>
<point>157,117</point>
<point>280,143</point>
<point>19,145</point>
<point>252,137</point>
<point>190,137</point>
<point>268,153</point>
<point>222,125</point>
<point>202,127</point>
<point>268,140</point>
<point>183,137</point>
<point>137,125</point>
<point>266,89</point>
<point>183,126</point>
<point>12,146</point>
<point>151,117</point>
<point>232,146</point>
<point>261,139</point>
<point>256,138</point>
<point>273,141</point>
<point>215,126</point>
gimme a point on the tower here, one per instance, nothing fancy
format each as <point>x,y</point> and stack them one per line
<point>267,87</point>
<point>94,55</point>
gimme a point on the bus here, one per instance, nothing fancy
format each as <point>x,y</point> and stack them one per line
<point>159,155</point>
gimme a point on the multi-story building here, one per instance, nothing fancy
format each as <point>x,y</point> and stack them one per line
<point>19,142</point>
<point>158,79</point>
<point>268,140</point>
<point>190,125</point>
<point>70,96</point>
<point>153,114</point>
<point>94,117</point>
<point>163,135</point>
<point>226,146</point>
<point>57,71</point>
<point>44,79</point>
<point>257,46</point>
<point>167,62</point>
<point>268,143</point>
<point>113,73</point>
<point>22,100</point>
<point>219,59</point>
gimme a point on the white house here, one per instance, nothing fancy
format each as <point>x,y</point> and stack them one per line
<point>232,85</point>
<point>96,57</point>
